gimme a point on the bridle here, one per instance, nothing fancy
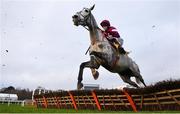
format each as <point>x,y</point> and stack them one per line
<point>84,21</point>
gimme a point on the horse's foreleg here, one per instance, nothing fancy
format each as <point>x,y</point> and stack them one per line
<point>95,73</point>
<point>82,66</point>
<point>91,64</point>
<point>80,75</point>
<point>95,66</point>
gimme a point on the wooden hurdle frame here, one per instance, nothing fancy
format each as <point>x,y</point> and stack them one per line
<point>109,99</point>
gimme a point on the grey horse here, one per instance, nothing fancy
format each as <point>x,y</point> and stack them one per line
<point>103,54</point>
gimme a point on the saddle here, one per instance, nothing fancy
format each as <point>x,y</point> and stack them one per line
<point>117,47</point>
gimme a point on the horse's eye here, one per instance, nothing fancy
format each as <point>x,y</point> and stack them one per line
<point>86,11</point>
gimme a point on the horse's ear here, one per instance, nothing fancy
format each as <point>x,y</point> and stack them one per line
<point>92,7</point>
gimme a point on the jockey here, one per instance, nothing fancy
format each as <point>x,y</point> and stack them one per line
<point>112,36</point>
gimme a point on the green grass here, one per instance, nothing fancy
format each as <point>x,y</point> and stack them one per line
<point>4,108</point>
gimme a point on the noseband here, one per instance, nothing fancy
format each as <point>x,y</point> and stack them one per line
<point>84,21</point>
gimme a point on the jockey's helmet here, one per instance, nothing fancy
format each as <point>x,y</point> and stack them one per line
<point>105,23</point>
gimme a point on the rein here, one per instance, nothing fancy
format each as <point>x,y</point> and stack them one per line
<point>85,20</point>
<point>85,24</point>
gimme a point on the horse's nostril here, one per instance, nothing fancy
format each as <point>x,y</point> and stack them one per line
<point>75,16</point>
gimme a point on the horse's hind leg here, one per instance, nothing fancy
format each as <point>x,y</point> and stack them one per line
<point>139,77</point>
<point>142,80</point>
<point>127,79</point>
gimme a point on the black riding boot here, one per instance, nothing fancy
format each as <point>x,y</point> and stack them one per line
<point>121,50</point>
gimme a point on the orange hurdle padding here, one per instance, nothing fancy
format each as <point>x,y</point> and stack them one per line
<point>96,100</point>
<point>73,100</point>
<point>130,100</point>
<point>45,102</point>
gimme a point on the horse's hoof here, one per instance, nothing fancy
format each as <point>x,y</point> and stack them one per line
<point>96,75</point>
<point>79,86</point>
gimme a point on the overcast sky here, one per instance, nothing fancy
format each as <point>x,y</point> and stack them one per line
<point>40,46</point>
